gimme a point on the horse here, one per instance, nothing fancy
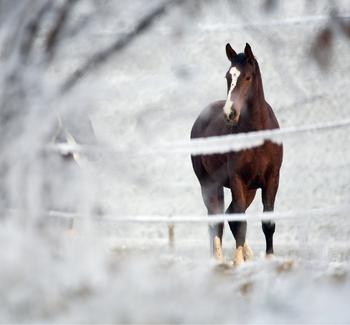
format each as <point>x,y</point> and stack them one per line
<point>244,110</point>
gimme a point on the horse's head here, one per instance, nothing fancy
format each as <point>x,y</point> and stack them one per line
<point>239,78</point>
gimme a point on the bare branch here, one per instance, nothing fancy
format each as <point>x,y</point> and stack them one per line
<point>101,57</point>
<point>31,30</point>
<point>321,48</point>
<point>342,22</point>
<point>54,34</point>
<point>269,5</point>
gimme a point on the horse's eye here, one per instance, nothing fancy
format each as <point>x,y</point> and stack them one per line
<point>247,78</point>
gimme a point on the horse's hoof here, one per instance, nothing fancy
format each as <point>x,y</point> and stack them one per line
<point>219,259</point>
<point>285,266</point>
<point>270,256</point>
<point>239,258</point>
<point>247,252</point>
<point>71,232</point>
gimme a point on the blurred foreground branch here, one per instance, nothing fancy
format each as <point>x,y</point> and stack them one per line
<point>54,34</point>
<point>101,57</point>
<point>32,29</point>
<point>322,46</point>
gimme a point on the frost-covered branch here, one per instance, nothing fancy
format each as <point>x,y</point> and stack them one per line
<point>101,57</point>
<point>55,32</point>
<point>32,29</point>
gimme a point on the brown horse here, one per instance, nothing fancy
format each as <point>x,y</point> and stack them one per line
<point>244,110</point>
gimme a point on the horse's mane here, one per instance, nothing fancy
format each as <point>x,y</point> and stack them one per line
<point>258,81</point>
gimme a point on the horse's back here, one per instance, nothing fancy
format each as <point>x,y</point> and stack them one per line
<point>271,121</point>
<point>210,121</point>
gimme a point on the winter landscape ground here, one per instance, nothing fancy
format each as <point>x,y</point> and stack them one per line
<point>141,102</point>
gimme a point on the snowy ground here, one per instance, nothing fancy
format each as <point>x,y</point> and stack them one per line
<point>148,95</point>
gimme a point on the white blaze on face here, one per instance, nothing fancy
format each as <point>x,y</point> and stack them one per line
<point>234,72</point>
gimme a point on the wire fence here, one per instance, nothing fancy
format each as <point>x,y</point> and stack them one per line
<point>206,146</point>
<point>301,20</point>
<point>212,145</point>
<point>335,210</point>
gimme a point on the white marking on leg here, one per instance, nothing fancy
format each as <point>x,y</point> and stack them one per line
<point>238,258</point>
<point>234,72</point>
<point>215,243</point>
<point>218,249</point>
<point>247,252</point>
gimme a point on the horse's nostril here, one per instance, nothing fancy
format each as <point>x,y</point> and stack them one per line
<point>232,115</point>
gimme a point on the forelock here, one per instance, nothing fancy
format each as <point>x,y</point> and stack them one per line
<point>240,61</point>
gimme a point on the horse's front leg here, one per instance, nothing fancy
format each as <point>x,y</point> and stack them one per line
<point>238,228</point>
<point>268,198</point>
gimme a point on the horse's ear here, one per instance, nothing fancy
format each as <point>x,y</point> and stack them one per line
<point>249,53</point>
<point>230,52</point>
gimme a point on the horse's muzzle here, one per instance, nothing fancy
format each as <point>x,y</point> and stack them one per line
<point>232,118</point>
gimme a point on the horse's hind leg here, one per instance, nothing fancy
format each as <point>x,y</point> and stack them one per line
<point>268,199</point>
<point>213,197</point>
<point>247,252</point>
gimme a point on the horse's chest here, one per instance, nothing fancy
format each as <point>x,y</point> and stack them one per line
<point>250,165</point>
<point>253,174</point>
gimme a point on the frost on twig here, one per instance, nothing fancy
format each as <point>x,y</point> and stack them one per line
<point>55,32</point>
<point>102,56</point>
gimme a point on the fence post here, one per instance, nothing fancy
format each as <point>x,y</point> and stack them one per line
<point>171,235</point>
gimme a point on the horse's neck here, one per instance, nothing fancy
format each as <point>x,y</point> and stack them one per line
<point>259,96</point>
<point>257,108</point>
<point>254,118</point>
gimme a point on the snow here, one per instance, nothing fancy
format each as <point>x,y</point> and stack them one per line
<point>142,103</point>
